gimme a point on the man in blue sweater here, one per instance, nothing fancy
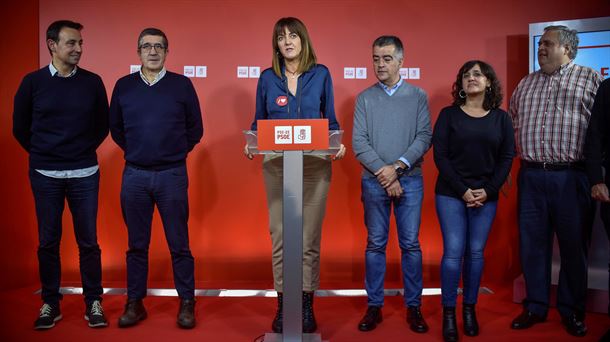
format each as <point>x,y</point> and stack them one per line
<point>391,134</point>
<point>155,118</point>
<point>60,118</point>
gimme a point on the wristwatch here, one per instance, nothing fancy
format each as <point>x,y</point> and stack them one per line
<point>400,171</point>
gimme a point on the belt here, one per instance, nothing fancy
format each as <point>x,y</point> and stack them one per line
<point>579,165</point>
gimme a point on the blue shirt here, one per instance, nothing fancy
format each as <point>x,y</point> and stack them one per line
<point>314,97</point>
<point>390,90</point>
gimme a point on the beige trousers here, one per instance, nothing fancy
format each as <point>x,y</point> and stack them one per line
<point>316,180</point>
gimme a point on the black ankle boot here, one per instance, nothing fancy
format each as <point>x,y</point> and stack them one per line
<point>450,333</point>
<point>309,320</point>
<point>278,321</point>
<point>469,317</point>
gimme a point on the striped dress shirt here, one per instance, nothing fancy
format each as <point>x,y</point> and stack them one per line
<point>551,113</point>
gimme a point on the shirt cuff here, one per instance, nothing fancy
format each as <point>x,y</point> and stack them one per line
<point>404,160</point>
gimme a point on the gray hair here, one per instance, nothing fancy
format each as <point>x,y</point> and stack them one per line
<point>390,40</point>
<point>566,37</point>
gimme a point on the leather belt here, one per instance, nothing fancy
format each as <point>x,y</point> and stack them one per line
<point>579,165</point>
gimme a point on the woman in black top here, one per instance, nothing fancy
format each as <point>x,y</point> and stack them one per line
<point>473,150</point>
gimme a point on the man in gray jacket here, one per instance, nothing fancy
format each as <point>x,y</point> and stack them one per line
<point>391,134</point>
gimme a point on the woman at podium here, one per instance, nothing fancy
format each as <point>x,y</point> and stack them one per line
<point>296,87</point>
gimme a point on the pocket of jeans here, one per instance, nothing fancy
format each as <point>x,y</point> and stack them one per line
<point>178,171</point>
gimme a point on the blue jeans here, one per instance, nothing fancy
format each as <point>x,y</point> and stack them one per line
<point>560,202</point>
<point>50,195</point>
<point>140,191</point>
<point>407,210</point>
<point>465,231</point>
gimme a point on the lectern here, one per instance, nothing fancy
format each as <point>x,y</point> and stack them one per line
<point>293,139</point>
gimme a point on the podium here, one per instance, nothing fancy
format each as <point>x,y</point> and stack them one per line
<point>293,139</point>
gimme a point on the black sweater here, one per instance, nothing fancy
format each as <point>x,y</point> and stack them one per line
<point>61,121</point>
<point>472,152</point>
<point>597,145</point>
<point>155,125</point>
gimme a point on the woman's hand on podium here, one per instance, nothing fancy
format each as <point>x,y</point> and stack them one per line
<point>247,153</point>
<point>340,154</point>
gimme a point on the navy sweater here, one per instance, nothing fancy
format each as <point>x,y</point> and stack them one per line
<point>155,125</point>
<point>314,97</point>
<point>61,121</point>
<point>472,152</point>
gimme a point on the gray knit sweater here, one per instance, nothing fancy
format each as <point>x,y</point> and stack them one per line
<point>389,127</point>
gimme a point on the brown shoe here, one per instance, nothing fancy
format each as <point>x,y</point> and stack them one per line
<point>186,314</point>
<point>134,312</point>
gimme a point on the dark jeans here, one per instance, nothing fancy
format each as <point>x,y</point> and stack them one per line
<point>407,209</point>
<point>50,195</point>
<point>140,191</point>
<point>560,202</point>
<point>465,231</point>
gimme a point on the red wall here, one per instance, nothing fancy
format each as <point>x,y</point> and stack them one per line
<point>19,234</point>
<point>228,223</point>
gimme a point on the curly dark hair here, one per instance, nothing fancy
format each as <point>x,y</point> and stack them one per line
<point>493,94</point>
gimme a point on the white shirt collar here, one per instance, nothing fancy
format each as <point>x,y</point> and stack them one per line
<point>158,78</point>
<point>55,72</point>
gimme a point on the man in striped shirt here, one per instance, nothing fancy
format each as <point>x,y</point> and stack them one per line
<point>550,110</point>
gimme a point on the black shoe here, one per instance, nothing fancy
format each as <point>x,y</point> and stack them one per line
<point>186,314</point>
<point>416,320</point>
<point>469,318</point>
<point>278,321</point>
<point>134,312</point>
<point>95,315</point>
<point>49,314</point>
<point>450,332</point>
<point>526,319</point>
<point>309,320</point>
<point>574,325</point>
<point>371,318</point>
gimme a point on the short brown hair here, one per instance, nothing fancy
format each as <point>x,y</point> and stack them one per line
<point>307,57</point>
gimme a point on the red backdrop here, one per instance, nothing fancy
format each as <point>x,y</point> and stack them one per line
<point>228,223</point>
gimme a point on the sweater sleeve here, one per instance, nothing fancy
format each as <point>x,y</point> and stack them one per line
<point>441,143</point>
<point>597,134</point>
<point>505,158</point>
<point>261,107</point>
<point>328,102</point>
<point>22,113</point>
<point>101,112</point>
<point>117,127</point>
<point>361,142</point>
<point>194,123</point>
<point>423,136</point>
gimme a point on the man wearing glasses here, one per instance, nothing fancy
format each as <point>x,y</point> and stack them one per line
<point>60,118</point>
<point>156,119</point>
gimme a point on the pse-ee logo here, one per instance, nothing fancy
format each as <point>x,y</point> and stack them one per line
<point>293,134</point>
<point>283,134</point>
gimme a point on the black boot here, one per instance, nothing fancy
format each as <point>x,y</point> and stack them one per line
<point>309,320</point>
<point>278,321</point>
<point>450,333</point>
<point>469,317</point>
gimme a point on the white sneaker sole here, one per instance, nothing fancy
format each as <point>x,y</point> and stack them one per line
<point>43,327</point>
<point>96,325</point>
